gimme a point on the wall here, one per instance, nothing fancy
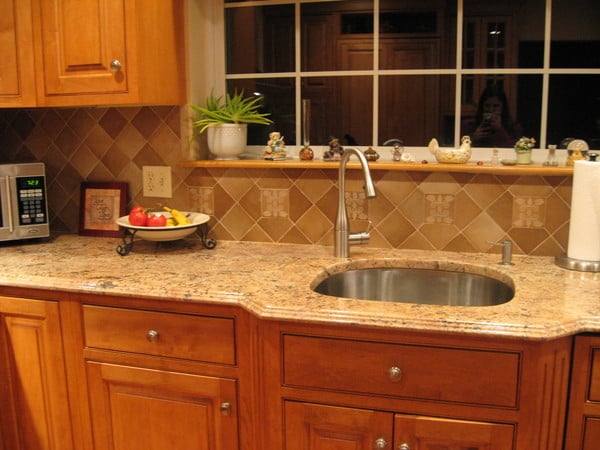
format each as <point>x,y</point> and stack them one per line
<point>455,212</point>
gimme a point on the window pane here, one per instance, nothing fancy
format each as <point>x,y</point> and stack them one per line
<point>260,39</point>
<point>506,108</point>
<point>419,35</point>
<point>574,109</point>
<point>575,34</point>
<point>416,108</point>
<point>503,34</point>
<point>337,35</point>
<point>278,96</point>
<point>341,107</point>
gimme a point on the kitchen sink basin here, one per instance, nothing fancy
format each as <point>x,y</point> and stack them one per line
<point>421,286</point>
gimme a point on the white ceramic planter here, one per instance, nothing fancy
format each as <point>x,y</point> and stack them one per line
<point>228,140</point>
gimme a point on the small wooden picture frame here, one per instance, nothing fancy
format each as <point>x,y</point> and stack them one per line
<point>102,203</point>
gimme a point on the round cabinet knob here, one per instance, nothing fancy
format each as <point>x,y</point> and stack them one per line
<point>225,408</point>
<point>115,65</point>
<point>152,335</point>
<point>404,447</point>
<point>395,373</point>
<point>380,444</point>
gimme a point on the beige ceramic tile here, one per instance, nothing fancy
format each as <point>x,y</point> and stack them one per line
<point>314,224</point>
<point>236,221</point>
<point>275,203</point>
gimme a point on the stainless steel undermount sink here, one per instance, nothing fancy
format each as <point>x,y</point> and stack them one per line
<point>417,286</point>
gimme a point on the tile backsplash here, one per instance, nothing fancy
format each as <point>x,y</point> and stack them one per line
<point>445,211</point>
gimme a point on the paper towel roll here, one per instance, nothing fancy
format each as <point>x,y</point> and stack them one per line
<point>584,228</point>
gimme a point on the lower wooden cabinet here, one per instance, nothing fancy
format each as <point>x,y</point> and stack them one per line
<point>321,427</point>
<point>162,380</point>
<point>583,425</point>
<point>134,408</point>
<point>34,411</point>
<point>330,387</point>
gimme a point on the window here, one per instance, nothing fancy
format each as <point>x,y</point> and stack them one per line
<point>374,70</point>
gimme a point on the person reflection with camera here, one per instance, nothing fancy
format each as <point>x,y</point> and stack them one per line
<point>492,125</point>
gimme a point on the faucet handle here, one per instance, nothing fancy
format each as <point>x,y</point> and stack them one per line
<point>361,237</point>
<point>506,251</point>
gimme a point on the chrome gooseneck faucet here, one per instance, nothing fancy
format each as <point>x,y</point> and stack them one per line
<point>343,238</point>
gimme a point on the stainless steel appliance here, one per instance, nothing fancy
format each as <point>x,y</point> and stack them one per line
<point>23,202</point>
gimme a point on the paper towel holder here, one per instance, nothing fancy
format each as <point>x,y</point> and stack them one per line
<point>579,265</point>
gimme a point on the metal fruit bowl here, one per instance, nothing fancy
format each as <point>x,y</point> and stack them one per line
<point>165,233</point>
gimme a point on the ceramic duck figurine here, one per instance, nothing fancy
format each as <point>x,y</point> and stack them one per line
<point>458,155</point>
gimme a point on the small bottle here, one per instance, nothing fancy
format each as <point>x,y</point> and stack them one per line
<point>495,160</point>
<point>551,158</point>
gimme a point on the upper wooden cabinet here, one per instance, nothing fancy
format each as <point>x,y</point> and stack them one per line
<point>91,52</point>
<point>17,74</point>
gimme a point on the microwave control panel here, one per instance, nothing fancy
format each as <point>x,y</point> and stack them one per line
<point>31,200</point>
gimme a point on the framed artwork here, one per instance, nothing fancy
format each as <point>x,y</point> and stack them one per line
<point>102,203</point>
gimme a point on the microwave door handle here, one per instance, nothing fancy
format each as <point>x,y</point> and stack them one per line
<point>11,225</point>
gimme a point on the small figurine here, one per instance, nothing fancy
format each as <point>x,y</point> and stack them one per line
<point>275,149</point>
<point>335,151</point>
<point>451,155</point>
<point>576,150</point>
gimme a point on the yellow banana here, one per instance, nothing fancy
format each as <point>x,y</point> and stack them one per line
<point>171,222</point>
<point>178,216</point>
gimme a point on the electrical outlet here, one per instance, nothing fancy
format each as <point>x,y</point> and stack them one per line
<point>156,181</point>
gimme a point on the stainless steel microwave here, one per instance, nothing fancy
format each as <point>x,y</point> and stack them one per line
<point>23,202</point>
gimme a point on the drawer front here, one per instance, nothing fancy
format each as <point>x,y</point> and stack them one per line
<point>458,375</point>
<point>185,336</point>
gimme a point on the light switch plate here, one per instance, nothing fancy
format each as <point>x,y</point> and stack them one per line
<point>156,181</point>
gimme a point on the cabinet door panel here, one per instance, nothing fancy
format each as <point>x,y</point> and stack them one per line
<point>17,85</point>
<point>428,433</point>
<point>321,427</point>
<point>33,393</point>
<point>80,40</point>
<point>134,408</point>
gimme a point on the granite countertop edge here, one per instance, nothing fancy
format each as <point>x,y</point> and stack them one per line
<point>273,281</point>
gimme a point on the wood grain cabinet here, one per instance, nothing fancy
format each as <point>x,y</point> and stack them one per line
<point>331,388</point>
<point>17,69</point>
<point>145,387</point>
<point>583,426</point>
<point>34,411</point>
<point>93,52</point>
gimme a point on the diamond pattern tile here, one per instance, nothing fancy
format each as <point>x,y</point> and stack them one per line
<point>424,210</point>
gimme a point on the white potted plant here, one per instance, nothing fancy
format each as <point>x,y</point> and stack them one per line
<point>226,119</point>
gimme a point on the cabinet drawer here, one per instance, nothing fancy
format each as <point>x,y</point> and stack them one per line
<point>459,375</point>
<point>200,338</point>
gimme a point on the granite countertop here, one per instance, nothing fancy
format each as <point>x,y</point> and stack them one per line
<point>273,281</point>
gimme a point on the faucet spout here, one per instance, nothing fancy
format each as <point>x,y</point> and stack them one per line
<point>343,238</point>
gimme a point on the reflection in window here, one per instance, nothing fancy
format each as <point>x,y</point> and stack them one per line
<point>494,120</point>
<point>278,95</point>
<point>413,108</point>
<point>419,74</point>
<point>260,39</point>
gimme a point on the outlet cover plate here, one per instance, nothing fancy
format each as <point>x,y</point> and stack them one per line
<point>156,181</point>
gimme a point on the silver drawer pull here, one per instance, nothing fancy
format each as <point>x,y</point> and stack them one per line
<point>115,65</point>
<point>380,444</point>
<point>395,373</point>
<point>404,447</point>
<point>152,335</point>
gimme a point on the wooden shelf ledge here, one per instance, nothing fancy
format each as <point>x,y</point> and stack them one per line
<point>532,169</point>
